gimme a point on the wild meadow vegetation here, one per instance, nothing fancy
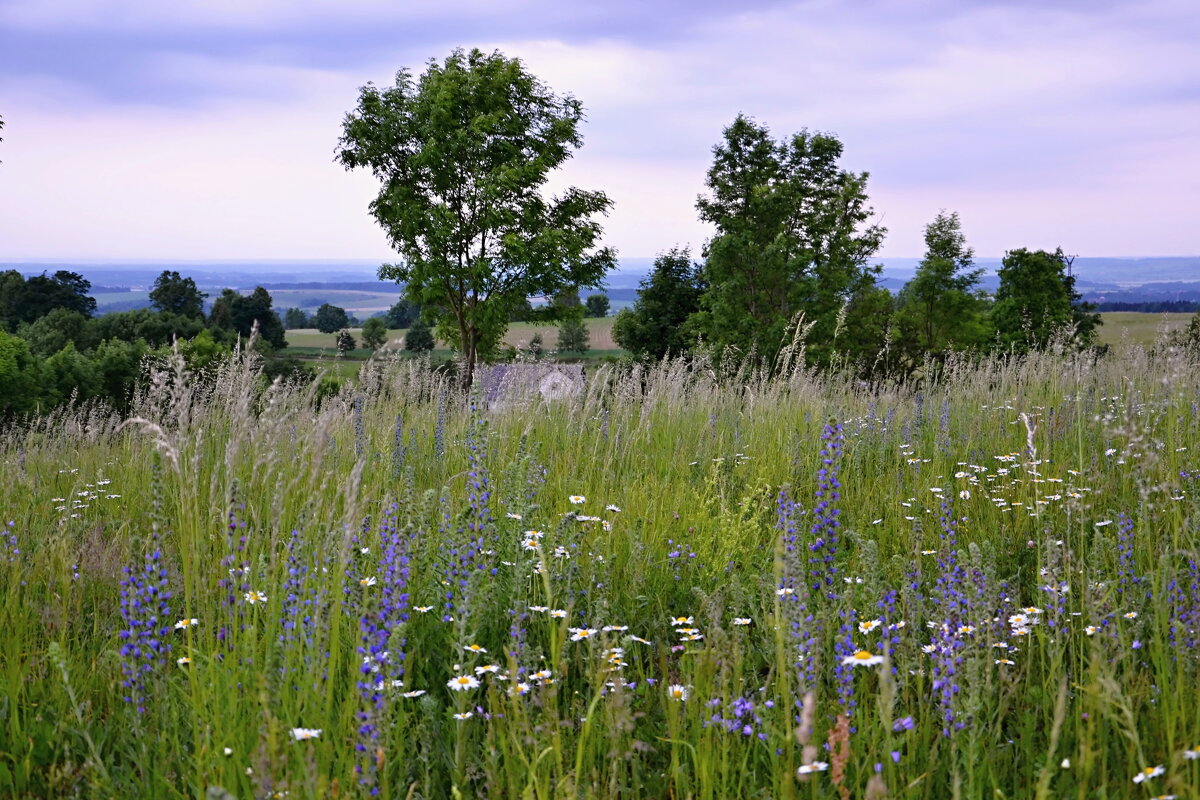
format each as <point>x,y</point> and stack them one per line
<point>680,583</point>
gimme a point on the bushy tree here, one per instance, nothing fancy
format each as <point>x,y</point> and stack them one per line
<point>572,335</point>
<point>239,313</point>
<point>49,334</point>
<point>118,364</point>
<point>792,236</point>
<point>941,308</point>
<point>655,325</point>
<point>177,295</point>
<point>1036,299</point>
<point>374,333</point>
<point>462,155</point>
<point>402,314</point>
<point>157,329</point>
<point>24,301</point>
<point>597,305</point>
<point>345,341</point>
<point>330,318</point>
<point>20,376</point>
<point>295,318</point>
<point>70,372</point>
<point>419,338</point>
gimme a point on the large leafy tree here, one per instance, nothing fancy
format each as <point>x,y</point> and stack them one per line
<point>791,237</point>
<point>330,318</point>
<point>941,308</point>
<point>655,325</point>
<point>24,300</point>
<point>463,154</point>
<point>239,313</point>
<point>177,295</point>
<point>1036,299</point>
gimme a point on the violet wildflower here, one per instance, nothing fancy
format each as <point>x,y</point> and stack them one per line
<point>146,614</point>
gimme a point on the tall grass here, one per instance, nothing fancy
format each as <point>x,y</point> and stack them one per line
<point>342,555</point>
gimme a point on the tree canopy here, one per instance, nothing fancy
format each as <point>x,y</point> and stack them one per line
<point>462,155</point>
<point>792,237</point>
<point>666,299</point>
<point>177,295</point>
<point>1037,299</point>
<point>330,318</point>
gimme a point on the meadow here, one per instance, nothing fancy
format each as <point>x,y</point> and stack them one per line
<point>684,582</point>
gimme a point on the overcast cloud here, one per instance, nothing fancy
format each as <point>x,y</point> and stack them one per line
<point>205,128</point>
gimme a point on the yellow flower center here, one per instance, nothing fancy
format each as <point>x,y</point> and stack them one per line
<point>863,655</point>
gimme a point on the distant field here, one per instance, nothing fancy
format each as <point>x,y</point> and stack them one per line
<point>362,304</point>
<point>1132,327</point>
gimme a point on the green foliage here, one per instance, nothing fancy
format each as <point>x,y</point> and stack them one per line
<point>51,333</point>
<point>597,305</point>
<point>791,239</point>
<point>119,365</point>
<point>656,325</point>
<point>1036,300</point>
<point>238,315</point>
<point>374,333</point>
<point>419,338</point>
<point>572,335</point>
<point>941,308</point>
<point>157,329</point>
<point>295,318</point>
<point>25,301</point>
<point>462,154</point>
<point>402,314</point>
<point>69,373</point>
<point>537,347</point>
<point>20,376</point>
<point>177,295</point>
<point>330,318</point>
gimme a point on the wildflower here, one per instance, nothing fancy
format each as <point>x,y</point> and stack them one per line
<point>966,630</point>
<point>253,597</point>
<point>965,494</point>
<point>862,657</point>
<point>464,715</point>
<point>541,675</point>
<point>692,637</point>
<point>183,662</point>
<point>414,693</point>
<point>228,751</point>
<point>530,544</point>
<point>520,689</point>
<point>423,609</point>
<point>784,591</point>
<point>558,613</point>
<point>369,581</point>
<point>512,515</point>
<point>1131,615</point>
<point>461,683</point>
<point>1148,773</point>
<point>486,669</point>
<point>186,623</point>
<point>640,640</point>
<point>682,621</point>
<point>474,648</point>
<point>1032,610</point>
<point>929,552</point>
<point>617,628</point>
<point>815,766</point>
<point>1005,661</point>
<point>612,508</point>
<point>579,634</point>
<point>741,620</point>
<point>677,692</point>
<point>1090,630</point>
<point>869,625</point>
<point>1103,522</point>
<point>301,734</point>
<point>576,499</point>
<point>1193,754</point>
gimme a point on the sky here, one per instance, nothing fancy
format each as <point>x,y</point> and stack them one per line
<point>205,129</point>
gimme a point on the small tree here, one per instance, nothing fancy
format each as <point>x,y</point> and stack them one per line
<point>463,155</point>
<point>374,333</point>
<point>419,338</point>
<point>572,336</point>
<point>345,342</point>
<point>1036,298</point>
<point>597,305</point>
<point>536,346</point>
<point>667,297</point>
<point>330,318</point>
<point>295,318</point>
